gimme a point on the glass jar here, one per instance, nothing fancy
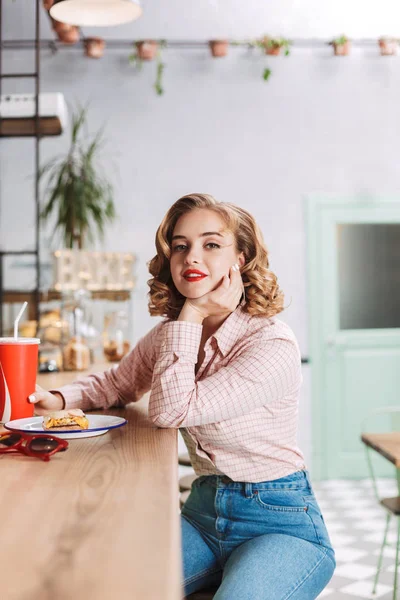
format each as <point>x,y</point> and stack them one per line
<point>115,335</point>
<point>51,331</point>
<point>76,313</point>
<point>50,358</point>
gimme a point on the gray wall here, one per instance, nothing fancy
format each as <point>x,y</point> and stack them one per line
<point>321,124</point>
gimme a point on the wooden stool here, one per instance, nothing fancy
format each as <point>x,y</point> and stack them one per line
<point>184,460</point>
<point>206,594</point>
<point>185,482</point>
<point>183,497</point>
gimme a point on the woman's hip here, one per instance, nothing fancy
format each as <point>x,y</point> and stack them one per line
<point>233,512</point>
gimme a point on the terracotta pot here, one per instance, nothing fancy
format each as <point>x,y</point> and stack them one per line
<point>342,49</point>
<point>94,47</point>
<point>273,50</point>
<point>218,48</point>
<point>47,4</point>
<point>147,49</point>
<point>67,34</point>
<point>388,47</point>
<point>57,26</point>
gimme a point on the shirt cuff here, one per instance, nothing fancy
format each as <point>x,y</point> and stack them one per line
<point>181,337</point>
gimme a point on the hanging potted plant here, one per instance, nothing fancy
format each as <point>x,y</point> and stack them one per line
<point>274,46</point>
<point>94,47</point>
<point>341,45</point>
<point>146,49</point>
<point>388,46</point>
<point>67,34</point>
<point>77,192</point>
<point>219,48</point>
<point>153,51</point>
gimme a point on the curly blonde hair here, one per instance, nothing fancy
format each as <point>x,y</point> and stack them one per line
<point>263,296</point>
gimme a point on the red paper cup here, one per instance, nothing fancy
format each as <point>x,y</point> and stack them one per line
<point>18,368</point>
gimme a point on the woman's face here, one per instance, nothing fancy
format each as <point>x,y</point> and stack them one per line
<point>202,252</point>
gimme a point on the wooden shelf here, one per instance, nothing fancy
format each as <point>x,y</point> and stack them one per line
<point>18,296</point>
<point>27,127</point>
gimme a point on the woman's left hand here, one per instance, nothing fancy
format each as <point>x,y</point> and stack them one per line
<point>223,299</point>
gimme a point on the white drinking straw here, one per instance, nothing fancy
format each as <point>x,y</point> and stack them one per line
<point>16,322</point>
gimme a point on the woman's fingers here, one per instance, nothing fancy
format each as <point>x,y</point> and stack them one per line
<point>225,296</point>
<point>236,277</point>
<point>45,401</point>
<point>240,286</point>
<point>234,291</point>
<point>38,396</point>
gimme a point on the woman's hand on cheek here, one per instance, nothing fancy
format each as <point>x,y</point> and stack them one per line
<point>223,299</point>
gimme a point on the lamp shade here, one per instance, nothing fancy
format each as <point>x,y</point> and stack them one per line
<point>101,13</point>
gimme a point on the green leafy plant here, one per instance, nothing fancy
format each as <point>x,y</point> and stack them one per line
<point>272,44</point>
<point>340,41</point>
<point>76,191</point>
<point>158,85</point>
<point>266,74</point>
<point>341,45</point>
<point>269,45</point>
<point>137,62</point>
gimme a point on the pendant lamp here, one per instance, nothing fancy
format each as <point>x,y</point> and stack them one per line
<point>100,13</point>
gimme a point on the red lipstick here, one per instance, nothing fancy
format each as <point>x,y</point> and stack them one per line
<point>192,275</point>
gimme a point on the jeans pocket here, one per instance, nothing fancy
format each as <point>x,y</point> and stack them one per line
<point>281,501</point>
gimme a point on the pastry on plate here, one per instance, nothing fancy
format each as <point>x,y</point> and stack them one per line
<point>69,420</point>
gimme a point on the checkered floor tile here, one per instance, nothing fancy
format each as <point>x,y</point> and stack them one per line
<point>355,523</point>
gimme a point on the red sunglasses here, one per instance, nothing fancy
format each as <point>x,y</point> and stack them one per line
<point>41,446</point>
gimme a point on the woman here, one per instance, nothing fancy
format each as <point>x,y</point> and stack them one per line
<point>226,371</point>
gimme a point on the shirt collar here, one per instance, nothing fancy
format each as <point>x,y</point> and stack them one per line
<point>230,330</point>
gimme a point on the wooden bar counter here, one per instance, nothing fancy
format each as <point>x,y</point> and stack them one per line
<point>97,522</point>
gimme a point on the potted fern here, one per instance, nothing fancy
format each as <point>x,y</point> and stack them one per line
<point>77,192</point>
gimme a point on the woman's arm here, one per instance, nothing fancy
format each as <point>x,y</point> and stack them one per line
<point>123,383</point>
<point>265,370</point>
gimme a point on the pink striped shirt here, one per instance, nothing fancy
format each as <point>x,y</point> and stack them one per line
<point>238,415</point>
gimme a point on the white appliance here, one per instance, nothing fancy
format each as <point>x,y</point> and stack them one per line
<point>17,114</point>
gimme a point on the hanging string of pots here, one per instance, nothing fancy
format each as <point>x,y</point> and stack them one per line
<point>149,50</point>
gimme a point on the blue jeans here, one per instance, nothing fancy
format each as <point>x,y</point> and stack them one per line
<point>255,540</point>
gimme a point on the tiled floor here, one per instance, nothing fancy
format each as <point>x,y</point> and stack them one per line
<point>355,523</point>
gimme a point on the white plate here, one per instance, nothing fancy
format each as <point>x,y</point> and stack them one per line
<point>98,424</point>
